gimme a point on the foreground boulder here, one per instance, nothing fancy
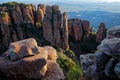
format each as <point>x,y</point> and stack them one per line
<point>24,59</point>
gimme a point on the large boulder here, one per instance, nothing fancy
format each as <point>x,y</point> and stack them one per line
<point>24,59</point>
<point>110,47</point>
<point>113,32</point>
<point>22,54</point>
<point>87,64</point>
<point>23,48</point>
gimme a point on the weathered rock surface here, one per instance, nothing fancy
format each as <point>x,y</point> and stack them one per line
<point>51,53</point>
<point>106,63</point>
<point>27,60</point>
<point>87,65</point>
<point>5,37</point>
<point>53,72</point>
<point>20,21</point>
<point>16,15</point>
<point>55,27</point>
<point>113,32</point>
<point>40,13</point>
<point>101,33</point>
<point>79,29</point>
<point>117,69</point>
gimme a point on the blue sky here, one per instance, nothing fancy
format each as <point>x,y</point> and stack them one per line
<point>45,1</point>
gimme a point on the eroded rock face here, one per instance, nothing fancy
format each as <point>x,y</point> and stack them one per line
<point>55,27</point>
<point>47,25</point>
<point>4,28</point>
<point>21,21</point>
<point>24,59</point>
<point>16,14</point>
<point>79,29</point>
<point>40,13</point>
<point>101,33</point>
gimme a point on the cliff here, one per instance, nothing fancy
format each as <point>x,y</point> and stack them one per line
<point>20,21</point>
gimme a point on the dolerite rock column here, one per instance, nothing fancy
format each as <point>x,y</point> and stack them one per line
<point>4,28</point>
<point>55,27</point>
<point>101,33</point>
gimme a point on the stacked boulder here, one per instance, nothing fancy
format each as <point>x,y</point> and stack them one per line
<point>24,59</point>
<point>106,64</point>
<point>108,55</point>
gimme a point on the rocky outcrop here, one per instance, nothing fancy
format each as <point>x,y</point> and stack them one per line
<point>106,59</point>
<point>87,65</point>
<point>55,28</point>
<point>79,29</point>
<point>20,21</point>
<point>101,33</point>
<point>24,59</point>
<point>106,63</point>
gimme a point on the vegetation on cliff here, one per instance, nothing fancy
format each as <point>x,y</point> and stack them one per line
<point>71,68</point>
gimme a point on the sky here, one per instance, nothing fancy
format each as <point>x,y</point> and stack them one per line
<point>107,1</point>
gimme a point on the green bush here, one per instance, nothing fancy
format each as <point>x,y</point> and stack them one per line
<point>38,25</point>
<point>69,53</point>
<point>9,4</point>
<point>69,66</point>
<point>3,14</point>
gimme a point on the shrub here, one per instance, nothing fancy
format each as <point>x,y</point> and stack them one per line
<point>3,14</point>
<point>38,25</point>
<point>69,53</point>
<point>69,66</point>
<point>9,4</point>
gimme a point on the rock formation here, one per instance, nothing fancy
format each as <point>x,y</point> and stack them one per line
<point>40,13</point>
<point>107,58</point>
<point>5,37</point>
<point>55,27</point>
<point>79,29</point>
<point>87,65</point>
<point>20,21</point>
<point>101,33</point>
<point>24,59</point>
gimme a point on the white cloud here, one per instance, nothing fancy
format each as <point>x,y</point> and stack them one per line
<point>109,1</point>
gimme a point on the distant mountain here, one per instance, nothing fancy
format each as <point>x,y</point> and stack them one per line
<point>96,17</point>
